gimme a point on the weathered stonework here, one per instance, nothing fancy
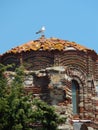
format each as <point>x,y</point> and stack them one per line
<point>62,73</point>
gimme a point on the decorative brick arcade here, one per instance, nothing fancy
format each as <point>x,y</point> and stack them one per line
<point>62,73</point>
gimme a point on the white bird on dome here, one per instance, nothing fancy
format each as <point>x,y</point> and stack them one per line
<point>41,30</point>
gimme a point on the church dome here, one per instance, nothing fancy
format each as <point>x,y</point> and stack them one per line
<point>48,44</point>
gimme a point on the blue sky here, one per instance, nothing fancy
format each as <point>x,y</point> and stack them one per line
<point>73,20</point>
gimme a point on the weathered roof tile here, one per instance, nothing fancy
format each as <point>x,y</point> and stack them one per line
<point>47,44</point>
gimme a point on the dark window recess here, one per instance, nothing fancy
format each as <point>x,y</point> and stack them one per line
<point>42,82</point>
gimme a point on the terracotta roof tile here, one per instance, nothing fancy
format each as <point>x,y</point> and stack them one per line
<point>47,44</point>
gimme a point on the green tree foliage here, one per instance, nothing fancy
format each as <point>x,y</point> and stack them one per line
<point>15,107</point>
<point>46,115</point>
<point>3,81</point>
<point>3,99</point>
<point>19,111</point>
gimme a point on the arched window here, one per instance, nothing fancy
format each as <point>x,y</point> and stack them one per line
<point>75,96</point>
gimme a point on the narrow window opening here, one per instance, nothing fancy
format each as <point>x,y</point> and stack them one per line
<point>75,96</point>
